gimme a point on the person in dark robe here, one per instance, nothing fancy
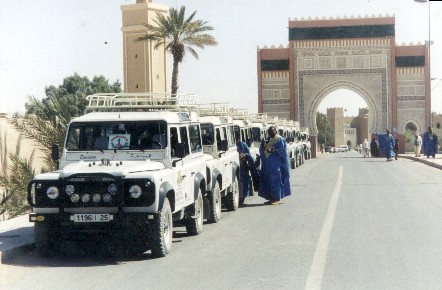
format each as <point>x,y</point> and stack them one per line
<point>430,143</point>
<point>389,148</point>
<point>275,168</point>
<point>374,148</point>
<point>246,167</point>
<point>396,148</point>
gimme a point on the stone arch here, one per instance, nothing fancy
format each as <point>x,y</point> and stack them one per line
<point>343,84</point>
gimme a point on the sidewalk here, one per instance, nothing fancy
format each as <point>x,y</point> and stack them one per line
<point>17,235</point>
<point>434,162</point>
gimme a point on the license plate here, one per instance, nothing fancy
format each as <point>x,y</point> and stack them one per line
<point>91,218</point>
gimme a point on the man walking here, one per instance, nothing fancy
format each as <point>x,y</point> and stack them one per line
<point>417,145</point>
<point>274,178</point>
<point>430,143</point>
<point>390,146</point>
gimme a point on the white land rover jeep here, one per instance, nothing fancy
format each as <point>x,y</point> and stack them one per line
<point>130,167</point>
<point>222,158</point>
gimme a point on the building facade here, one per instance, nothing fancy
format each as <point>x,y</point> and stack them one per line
<point>357,54</point>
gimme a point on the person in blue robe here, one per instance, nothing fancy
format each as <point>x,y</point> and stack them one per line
<point>275,168</point>
<point>430,143</point>
<point>246,167</point>
<point>386,145</point>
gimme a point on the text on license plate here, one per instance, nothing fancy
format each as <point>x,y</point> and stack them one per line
<point>91,218</point>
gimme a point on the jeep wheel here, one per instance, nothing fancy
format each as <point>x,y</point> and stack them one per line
<point>47,238</point>
<point>161,231</point>
<point>232,198</point>
<point>194,224</point>
<point>215,205</point>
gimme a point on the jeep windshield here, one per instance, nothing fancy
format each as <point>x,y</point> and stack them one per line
<point>121,135</point>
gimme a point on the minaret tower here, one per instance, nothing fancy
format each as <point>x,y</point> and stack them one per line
<point>145,68</point>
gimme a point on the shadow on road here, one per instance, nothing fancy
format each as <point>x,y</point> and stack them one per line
<point>80,253</point>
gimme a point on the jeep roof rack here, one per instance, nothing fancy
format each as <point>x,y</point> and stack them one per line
<point>214,109</point>
<point>118,102</point>
<point>259,118</point>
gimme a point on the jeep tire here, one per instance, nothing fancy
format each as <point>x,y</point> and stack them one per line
<point>215,204</point>
<point>47,238</point>
<point>194,224</point>
<point>160,233</point>
<point>232,198</point>
<point>293,163</point>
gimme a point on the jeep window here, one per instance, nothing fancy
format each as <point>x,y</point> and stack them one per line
<point>222,136</point>
<point>243,135</point>
<point>231,135</point>
<point>256,133</point>
<point>207,134</point>
<point>195,138</point>
<point>184,139</point>
<point>123,135</point>
<point>173,140</point>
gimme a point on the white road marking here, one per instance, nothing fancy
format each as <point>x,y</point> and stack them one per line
<point>314,279</point>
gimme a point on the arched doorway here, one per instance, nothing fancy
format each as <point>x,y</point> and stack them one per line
<point>410,128</point>
<point>347,116</point>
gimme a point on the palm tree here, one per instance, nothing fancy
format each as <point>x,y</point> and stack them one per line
<point>179,35</point>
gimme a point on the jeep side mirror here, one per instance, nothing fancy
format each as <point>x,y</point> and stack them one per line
<point>180,150</point>
<point>55,153</point>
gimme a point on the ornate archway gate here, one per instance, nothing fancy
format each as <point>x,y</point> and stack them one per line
<point>358,54</point>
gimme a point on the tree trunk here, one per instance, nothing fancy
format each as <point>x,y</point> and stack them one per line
<point>174,87</point>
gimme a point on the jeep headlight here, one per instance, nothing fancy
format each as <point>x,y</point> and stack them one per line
<point>75,198</point>
<point>96,197</point>
<point>33,200</point>
<point>70,189</point>
<point>135,191</point>
<point>107,197</point>
<point>85,198</point>
<point>112,189</point>
<point>52,192</point>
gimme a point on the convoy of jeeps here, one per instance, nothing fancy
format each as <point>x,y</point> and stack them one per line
<point>136,165</point>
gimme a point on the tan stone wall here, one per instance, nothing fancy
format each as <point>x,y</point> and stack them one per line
<point>276,93</point>
<point>8,144</point>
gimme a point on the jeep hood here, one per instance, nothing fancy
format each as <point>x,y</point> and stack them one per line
<point>115,168</point>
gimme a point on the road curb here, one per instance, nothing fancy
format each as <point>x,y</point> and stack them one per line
<point>425,161</point>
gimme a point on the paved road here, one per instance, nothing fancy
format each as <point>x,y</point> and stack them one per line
<point>352,223</point>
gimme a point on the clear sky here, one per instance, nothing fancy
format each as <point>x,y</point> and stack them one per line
<point>42,42</point>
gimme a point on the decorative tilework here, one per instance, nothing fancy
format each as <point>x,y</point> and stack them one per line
<point>410,98</point>
<point>341,62</point>
<point>358,62</point>
<point>411,105</point>
<point>308,63</point>
<point>375,61</point>
<point>279,101</point>
<point>324,62</point>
